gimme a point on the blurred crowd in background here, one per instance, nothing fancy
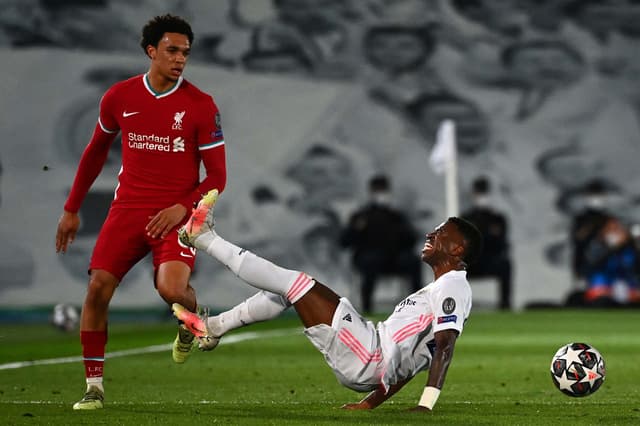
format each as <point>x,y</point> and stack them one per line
<point>531,84</point>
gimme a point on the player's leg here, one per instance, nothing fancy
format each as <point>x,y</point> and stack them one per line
<point>93,335</point>
<point>172,283</point>
<point>256,271</point>
<point>262,306</point>
<point>260,273</point>
<point>173,263</point>
<point>349,342</point>
<point>107,267</point>
<point>317,306</point>
<point>119,246</point>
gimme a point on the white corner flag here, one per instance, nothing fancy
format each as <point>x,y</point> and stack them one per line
<point>443,159</point>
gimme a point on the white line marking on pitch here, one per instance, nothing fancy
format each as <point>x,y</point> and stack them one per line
<point>242,402</point>
<point>234,338</point>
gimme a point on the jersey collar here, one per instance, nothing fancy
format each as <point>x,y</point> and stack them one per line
<point>158,95</point>
<point>462,273</point>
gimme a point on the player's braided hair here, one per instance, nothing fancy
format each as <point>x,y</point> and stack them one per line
<point>472,237</point>
<point>156,27</point>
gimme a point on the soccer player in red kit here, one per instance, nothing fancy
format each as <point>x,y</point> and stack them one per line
<point>168,128</point>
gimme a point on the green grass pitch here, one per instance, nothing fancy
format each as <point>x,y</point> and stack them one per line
<point>499,376</point>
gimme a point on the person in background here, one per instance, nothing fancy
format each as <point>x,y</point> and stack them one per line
<point>495,260</point>
<point>604,251</point>
<point>383,242</point>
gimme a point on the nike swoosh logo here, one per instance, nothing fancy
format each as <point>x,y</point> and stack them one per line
<point>126,114</point>
<point>183,254</point>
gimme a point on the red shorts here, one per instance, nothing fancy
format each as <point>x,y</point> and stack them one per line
<point>123,242</point>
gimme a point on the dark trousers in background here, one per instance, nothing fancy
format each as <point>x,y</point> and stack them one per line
<point>375,264</point>
<point>498,268</point>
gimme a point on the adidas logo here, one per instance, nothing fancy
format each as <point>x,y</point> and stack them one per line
<point>347,318</point>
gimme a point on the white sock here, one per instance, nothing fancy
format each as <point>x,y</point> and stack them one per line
<point>256,271</point>
<point>95,382</point>
<point>203,241</point>
<point>261,306</point>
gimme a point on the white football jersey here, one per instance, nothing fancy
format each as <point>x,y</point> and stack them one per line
<point>407,336</point>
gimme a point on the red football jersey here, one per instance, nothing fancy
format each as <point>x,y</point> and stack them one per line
<point>164,138</point>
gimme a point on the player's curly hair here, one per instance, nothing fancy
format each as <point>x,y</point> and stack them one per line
<point>156,27</point>
<point>472,237</point>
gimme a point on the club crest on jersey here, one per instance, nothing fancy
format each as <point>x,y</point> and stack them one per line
<point>177,120</point>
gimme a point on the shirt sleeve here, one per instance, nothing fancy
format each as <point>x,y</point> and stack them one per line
<point>449,305</point>
<point>95,154</point>
<point>107,117</point>
<point>211,145</point>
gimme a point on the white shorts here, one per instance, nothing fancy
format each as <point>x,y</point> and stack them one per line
<point>351,347</point>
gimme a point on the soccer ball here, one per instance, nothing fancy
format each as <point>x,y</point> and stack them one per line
<point>65,317</point>
<point>577,369</point>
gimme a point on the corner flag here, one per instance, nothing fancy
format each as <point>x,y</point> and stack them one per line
<point>443,159</point>
<point>444,150</point>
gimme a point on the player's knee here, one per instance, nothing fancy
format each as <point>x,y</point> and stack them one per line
<point>171,293</point>
<point>100,291</point>
<point>165,291</point>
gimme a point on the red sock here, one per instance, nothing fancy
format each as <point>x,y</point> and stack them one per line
<point>93,344</point>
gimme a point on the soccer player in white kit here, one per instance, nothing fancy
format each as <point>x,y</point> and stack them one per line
<point>420,334</point>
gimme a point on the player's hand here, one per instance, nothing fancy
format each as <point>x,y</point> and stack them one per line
<point>357,406</point>
<point>68,225</point>
<point>419,408</point>
<point>165,220</point>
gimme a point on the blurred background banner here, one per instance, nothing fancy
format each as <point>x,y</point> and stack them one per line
<point>315,101</point>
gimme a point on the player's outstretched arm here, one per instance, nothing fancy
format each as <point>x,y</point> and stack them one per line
<point>445,342</point>
<point>376,397</point>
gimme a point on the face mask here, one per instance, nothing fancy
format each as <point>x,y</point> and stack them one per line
<point>381,198</point>
<point>482,201</point>
<point>613,239</point>
<point>595,202</point>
